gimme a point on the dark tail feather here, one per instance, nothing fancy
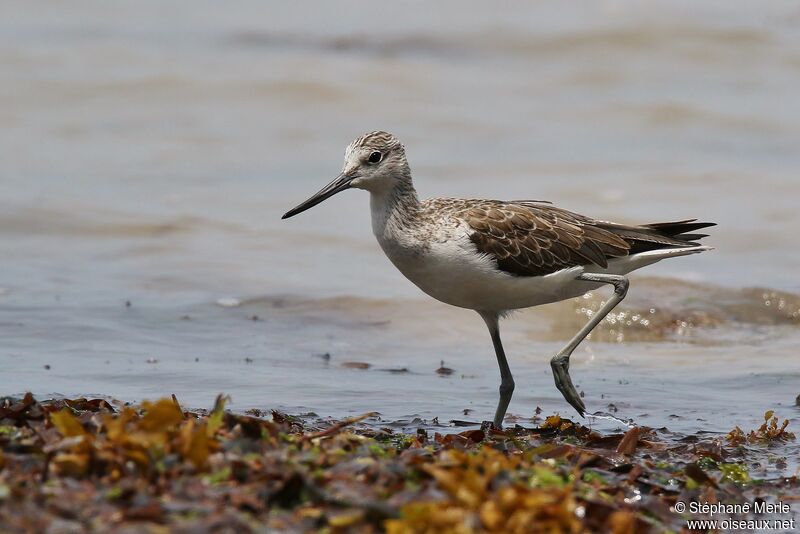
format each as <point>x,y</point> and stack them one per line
<point>656,236</point>
<point>692,237</point>
<point>678,229</point>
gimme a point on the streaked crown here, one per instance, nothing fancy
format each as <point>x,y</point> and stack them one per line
<point>377,140</point>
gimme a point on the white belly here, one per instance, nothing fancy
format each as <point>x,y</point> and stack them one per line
<point>454,273</point>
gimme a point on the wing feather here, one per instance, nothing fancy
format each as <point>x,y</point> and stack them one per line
<point>528,239</point>
<point>534,238</point>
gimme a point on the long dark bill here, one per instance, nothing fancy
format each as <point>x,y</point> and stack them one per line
<point>340,183</point>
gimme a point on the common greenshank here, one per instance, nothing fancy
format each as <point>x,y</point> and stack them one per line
<point>496,256</point>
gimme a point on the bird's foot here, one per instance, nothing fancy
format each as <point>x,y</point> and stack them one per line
<point>564,384</point>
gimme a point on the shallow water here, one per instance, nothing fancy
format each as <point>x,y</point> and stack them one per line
<point>148,154</point>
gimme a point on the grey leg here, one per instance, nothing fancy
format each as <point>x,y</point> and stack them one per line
<point>506,380</point>
<point>560,362</point>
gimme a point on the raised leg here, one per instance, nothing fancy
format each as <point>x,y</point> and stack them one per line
<point>560,362</point>
<point>506,380</point>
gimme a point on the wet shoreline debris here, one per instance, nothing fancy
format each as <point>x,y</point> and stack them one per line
<point>94,465</point>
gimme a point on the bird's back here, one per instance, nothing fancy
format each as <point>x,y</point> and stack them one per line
<point>534,238</point>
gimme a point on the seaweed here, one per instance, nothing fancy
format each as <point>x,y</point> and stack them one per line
<point>91,465</point>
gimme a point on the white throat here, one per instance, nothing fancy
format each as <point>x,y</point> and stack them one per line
<point>392,210</point>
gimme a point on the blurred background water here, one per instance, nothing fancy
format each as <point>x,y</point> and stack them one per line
<point>149,149</point>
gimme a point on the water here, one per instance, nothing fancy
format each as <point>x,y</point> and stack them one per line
<point>149,150</point>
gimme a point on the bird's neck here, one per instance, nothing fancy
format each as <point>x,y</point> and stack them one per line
<point>394,209</point>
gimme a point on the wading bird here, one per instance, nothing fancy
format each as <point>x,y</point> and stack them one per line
<point>496,256</point>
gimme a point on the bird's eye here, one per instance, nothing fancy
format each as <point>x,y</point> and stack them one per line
<point>375,157</point>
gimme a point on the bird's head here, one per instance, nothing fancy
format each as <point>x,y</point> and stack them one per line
<point>375,161</point>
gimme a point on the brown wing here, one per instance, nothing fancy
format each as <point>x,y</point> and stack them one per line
<point>528,239</point>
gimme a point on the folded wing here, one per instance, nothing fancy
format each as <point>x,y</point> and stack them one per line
<point>534,239</point>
